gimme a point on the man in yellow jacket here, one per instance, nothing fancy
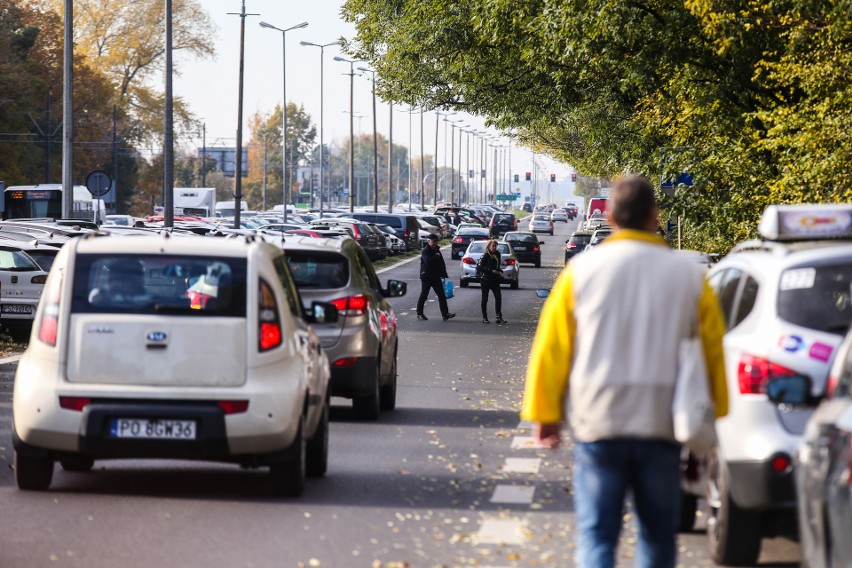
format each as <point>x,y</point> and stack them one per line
<point>606,349</point>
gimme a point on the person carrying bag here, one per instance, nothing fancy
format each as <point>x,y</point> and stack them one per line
<point>490,275</point>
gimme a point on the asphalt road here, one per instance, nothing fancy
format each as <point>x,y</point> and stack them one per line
<point>447,479</point>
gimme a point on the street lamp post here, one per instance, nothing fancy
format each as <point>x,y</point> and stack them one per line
<point>452,160</point>
<point>168,134</point>
<point>322,47</point>
<point>285,184</point>
<point>375,144</point>
<point>390,158</point>
<point>351,128</point>
<point>422,163</point>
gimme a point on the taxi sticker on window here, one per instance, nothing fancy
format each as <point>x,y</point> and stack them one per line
<point>798,279</point>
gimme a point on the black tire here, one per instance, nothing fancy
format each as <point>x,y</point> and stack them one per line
<point>288,478</point>
<point>463,283</point>
<point>368,407</point>
<point>32,473</point>
<point>317,451</point>
<point>77,463</point>
<point>734,534</point>
<point>387,392</point>
<point>688,508</point>
<point>538,264</point>
<point>514,285</point>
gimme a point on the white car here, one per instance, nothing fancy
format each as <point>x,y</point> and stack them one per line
<point>541,223</point>
<point>559,215</point>
<point>184,348</point>
<point>786,302</point>
<point>21,283</point>
<point>510,268</point>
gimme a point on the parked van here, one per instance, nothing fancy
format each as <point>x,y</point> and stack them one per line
<point>227,209</point>
<point>406,226</point>
<point>597,204</point>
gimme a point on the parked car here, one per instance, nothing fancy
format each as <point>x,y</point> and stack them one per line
<point>463,238</point>
<point>120,363</point>
<point>527,207</point>
<point>362,344</point>
<point>404,224</point>
<point>503,223</point>
<point>786,302</point>
<point>541,223</point>
<point>526,246</point>
<point>362,234</point>
<point>598,236</point>
<point>21,284</point>
<point>397,244</point>
<point>823,466</point>
<point>576,244</point>
<point>509,265</point>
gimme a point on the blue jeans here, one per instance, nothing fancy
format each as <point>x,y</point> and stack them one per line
<point>604,472</point>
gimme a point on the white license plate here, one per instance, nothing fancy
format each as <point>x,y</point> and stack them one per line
<point>140,428</point>
<point>16,309</point>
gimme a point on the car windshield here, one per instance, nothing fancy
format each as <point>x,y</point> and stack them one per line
<point>160,284</point>
<point>318,270</point>
<point>44,258</point>
<point>521,238</point>
<point>817,297</point>
<point>16,261</point>
<point>479,247</point>
<point>504,217</point>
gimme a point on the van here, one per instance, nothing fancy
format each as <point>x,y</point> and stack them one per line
<point>227,209</point>
<point>597,204</point>
<point>405,225</point>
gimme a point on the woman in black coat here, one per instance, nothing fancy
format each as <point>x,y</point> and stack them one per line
<point>490,276</point>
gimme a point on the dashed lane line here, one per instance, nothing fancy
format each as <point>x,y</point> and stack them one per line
<point>521,465</point>
<point>513,494</point>
<point>501,531</point>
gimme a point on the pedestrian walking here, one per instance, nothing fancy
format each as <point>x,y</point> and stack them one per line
<point>490,275</point>
<point>608,340</point>
<point>432,269</point>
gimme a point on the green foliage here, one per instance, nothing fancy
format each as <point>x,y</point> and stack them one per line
<point>752,97</point>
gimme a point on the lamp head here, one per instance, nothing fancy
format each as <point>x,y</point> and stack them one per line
<point>298,26</point>
<point>267,25</point>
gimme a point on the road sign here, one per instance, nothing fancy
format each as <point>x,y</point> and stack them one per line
<point>506,197</point>
<point>98,183</point>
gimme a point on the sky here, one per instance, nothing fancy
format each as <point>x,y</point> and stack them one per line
<point>210,86</point>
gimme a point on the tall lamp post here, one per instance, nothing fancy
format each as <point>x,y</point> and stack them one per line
<point>322,47</point>
<point>375,144</point>
<point>351,127</point>
<point>285,184</point>
<point>452,159</point>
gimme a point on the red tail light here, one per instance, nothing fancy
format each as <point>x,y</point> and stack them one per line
<point>468,260</point>
<point>405,233</point>
<point>571,246</point>
<point>754,372</point>
<point>76,403</point>
<point>509,261</point>
<point>49,322</point>
<point>781,463</point>
<point>383,323</point>
<point>270,325</point>
<point>458,240</point>
<point>536,248</point>
<point>233,406</point>
<point>345,362</point>
<point>40,279</point>
<point>352,305</point>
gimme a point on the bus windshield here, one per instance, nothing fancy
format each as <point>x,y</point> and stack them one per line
<point>25,204</point>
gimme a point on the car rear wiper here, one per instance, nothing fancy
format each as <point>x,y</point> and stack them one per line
<point>839,327</point>
<point>174,309</point>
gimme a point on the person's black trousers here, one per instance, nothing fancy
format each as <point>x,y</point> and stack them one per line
<point>494,287</point>
<point>435,285</point>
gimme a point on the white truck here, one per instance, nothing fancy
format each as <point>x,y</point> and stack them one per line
<point>196,201</point>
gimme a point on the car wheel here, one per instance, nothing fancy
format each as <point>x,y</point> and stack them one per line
<point>463,283</point>
<point>368,407</point>
<point>688,508</point>
<point>77,463</point>
<point>316,453</point>
<point>32,473</point>
<point>538,264</point>
<point>514,285</point>
<point>288,478</point>
<point>387,393</point>
<point>734,534</point>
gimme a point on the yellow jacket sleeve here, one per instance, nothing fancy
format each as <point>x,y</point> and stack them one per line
<point>711,328</point>
<point>551,355</point>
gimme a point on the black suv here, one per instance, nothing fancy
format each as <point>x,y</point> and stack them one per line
<point>576,244</point>
<point>527,247</point>
<point>464,237</point>
<point>503,223</point>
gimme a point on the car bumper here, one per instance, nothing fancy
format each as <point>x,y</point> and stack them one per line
<point>355,380</point>
<point>510,275</point>
<point>756,486</point>
<point>528,256</point>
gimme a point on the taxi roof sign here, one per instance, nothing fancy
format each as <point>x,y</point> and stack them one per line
<point>806,222</point>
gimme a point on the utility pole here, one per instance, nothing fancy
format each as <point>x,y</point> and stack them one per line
<point>437,124</point>
<point>68,112</point>
<point>421,176</point>
<point>264,173</point>
<point>204,155</point>
<point>390,159</point>
<point>168,137</point>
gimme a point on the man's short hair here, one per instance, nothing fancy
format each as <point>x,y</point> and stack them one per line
<point>632,202</point>
<point>432,237</point>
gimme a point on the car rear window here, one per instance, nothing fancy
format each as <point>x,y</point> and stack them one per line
<point>504,217</point>
<point>160,284</point>
<point>473,232</point>
<point>522,238</point>
<point>580,239</point>
<point>318,270</point>
<point>16,261</point>
<point>541,218</point>
<point>817,297</point>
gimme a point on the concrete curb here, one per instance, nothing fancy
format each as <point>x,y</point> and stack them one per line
<point>11,359</point>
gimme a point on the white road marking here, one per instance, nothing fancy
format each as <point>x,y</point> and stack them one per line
<point>501,531</point>
<point>521,442</point>
<point>524,425</point>
<point>522,465</point>
<point>514,494</point>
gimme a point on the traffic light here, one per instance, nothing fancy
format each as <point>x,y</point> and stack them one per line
<point>552,178</point>
<point>516,178</point>
<point>573,177</point>
<point>529,176</point>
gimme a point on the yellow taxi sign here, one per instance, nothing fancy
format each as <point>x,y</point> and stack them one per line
<point>807,221</point>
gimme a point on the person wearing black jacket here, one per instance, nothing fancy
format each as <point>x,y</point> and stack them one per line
<point>490,275</point>
<point>432,269</point>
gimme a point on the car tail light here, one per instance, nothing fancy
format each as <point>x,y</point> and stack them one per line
<point>468,260</point>
<point>40,279</point>
<point>830,385</point>
<point>270,326</point>
<point>536,248</point>
<point>509,261</point>
<point>49,322</point>
<point>356,232</point>
<point>781,463</point>
<point>233,406</point>
<point>754,372</point>
<point>345,362</point>
<point>571,245</point>
<point>352,305</point>
<point>76,403</point>
<point>383,323</point>
<point>458,240</point>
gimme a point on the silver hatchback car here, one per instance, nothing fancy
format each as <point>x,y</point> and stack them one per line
<point>510,267</point>
<point>362,344</point>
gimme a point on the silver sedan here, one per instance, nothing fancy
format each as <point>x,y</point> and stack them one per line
<point>509,265</point>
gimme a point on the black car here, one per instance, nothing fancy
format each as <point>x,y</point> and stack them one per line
<point>503,223</point>
<point>464,238</point>
<point>576,244</point>
<point>527,247</point>
<point>404,224</point>
<point>527,207</point>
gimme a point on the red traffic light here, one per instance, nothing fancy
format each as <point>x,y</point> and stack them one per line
<point>529,176</point>
<point>573,177</point>
<point>552,178</point>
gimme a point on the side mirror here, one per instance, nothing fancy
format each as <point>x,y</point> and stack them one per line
<point>542,242</point>
<point>395,289</point>
<point>542,292</point>
<point>322,312</point>
<point>793,390</point>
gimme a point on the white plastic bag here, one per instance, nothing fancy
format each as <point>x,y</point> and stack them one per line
<point>693,412</point>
